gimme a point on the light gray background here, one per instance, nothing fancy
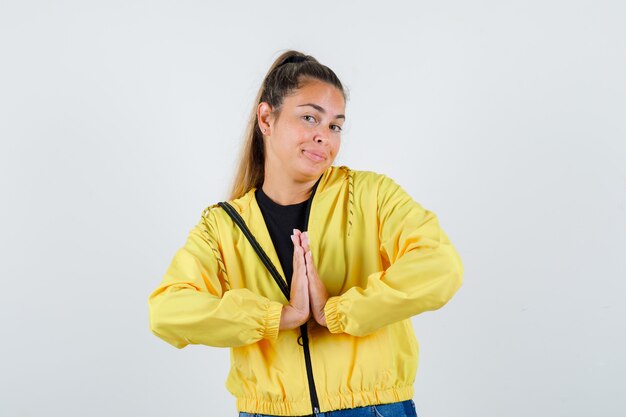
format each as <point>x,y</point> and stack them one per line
<point>120,121</point>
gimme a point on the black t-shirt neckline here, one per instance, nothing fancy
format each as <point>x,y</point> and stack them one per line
<point>267,201</point>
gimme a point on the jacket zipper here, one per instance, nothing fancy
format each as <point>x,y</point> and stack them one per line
<point>303,328</point>
<point>309,369</point>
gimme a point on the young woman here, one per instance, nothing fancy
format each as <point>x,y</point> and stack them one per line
<point>328,332</point>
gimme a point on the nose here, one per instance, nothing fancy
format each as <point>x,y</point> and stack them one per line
<point>320,135</point>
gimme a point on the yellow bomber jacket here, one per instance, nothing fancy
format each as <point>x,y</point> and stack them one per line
<point>383,259</point>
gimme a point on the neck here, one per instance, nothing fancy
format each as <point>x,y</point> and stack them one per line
<point>285,191</point>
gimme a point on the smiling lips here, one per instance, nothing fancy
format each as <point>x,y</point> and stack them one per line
<point>314,156</point>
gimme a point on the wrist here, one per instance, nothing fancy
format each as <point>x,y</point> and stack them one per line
<point>319,315</point>
<point>292,318</point>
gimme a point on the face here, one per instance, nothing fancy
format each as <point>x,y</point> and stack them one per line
<point>305,138</point>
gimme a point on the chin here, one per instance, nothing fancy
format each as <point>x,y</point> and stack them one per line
<point>313,171</point>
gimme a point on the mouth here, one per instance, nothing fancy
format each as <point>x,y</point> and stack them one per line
<point>314,156</point>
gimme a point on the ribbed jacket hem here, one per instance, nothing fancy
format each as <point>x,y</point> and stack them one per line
<point>337,402</point>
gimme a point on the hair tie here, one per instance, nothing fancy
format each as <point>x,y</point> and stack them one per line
<point>293,59</point>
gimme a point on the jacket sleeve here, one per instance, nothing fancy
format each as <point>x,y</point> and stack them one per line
<point>422,268</point>
<point>193,306</point>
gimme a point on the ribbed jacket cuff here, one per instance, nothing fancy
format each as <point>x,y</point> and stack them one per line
<point>332,315</point>
<point>272,320</point>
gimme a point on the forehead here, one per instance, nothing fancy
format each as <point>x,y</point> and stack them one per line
<point>318,92</point>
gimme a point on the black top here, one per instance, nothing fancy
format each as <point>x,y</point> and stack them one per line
<point>280,221</point>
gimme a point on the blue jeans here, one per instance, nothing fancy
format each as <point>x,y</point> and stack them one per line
<point>397,409</point>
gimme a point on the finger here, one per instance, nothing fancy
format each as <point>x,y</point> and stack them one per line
<point>305,241</point>
<point>296,258</point>
<point>300,262</point>
<point>304,266</point>
<point>296,244</point>
<point>308,257</point>
<point>297,254</point>
<point>311,274</point>
<point>298,234</point>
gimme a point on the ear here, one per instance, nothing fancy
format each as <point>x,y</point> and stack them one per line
<point>265,117</point>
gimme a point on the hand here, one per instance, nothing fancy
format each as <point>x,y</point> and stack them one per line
<point>298,311</point>
<point>317,291</point>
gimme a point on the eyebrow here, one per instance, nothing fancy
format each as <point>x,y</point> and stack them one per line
<point>321,110</point>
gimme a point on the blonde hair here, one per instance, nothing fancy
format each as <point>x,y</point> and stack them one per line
<point>288,73</point>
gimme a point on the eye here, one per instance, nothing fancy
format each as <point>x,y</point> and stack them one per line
<point>339,128</point>
<point>305,117</point>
